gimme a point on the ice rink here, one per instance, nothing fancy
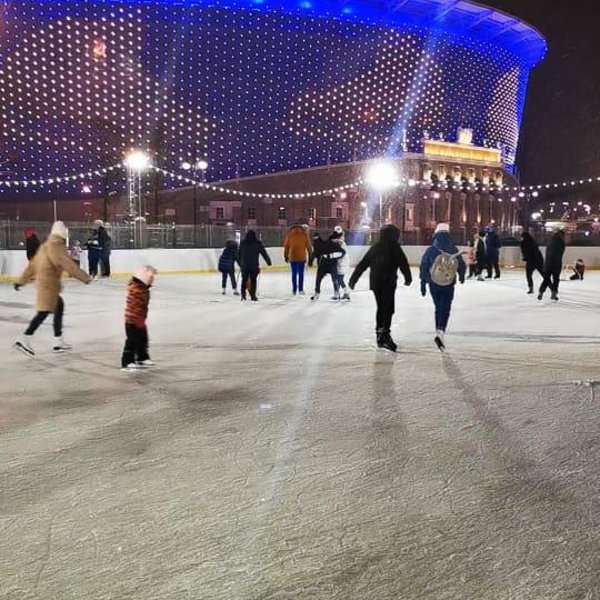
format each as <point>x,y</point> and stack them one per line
<point>275,453</point>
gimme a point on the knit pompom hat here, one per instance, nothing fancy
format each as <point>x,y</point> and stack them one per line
<point>60,230</point>
<point>442,228</point>
<point>146,274</point>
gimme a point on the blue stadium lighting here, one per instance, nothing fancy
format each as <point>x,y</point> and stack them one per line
<point>257,86</point>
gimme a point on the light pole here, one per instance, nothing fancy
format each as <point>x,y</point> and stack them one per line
<point>199,166</point>
<point>382,176</point>
<point>137,162</point>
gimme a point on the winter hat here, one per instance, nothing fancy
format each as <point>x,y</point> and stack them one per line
<point>442,228</point>
<point>28,232</point>
<point>146,274</point>
<point>338,229</point>
<point>60,230</point>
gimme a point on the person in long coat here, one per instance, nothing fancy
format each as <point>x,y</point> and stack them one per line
<point>534,260</point>
<point>47,268</point>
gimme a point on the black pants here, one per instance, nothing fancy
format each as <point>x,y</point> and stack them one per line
<point>530,269</point>
<point>249,277</point>
<point>93,261</point>
<point>472,270</point>
<point>493,265</point>
<point>385,298</point>
<point>136,345</point>
<point>105,265</point>
<point>40,317</point>
<point>324,270</point>
<point>231,276</point>
<point>551,280</point>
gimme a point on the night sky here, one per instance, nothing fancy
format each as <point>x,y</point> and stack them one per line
<point>560,138</point>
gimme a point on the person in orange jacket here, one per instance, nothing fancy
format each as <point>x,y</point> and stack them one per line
<point>297,251</point>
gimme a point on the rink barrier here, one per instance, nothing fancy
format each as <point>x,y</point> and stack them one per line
<point>204,261</point>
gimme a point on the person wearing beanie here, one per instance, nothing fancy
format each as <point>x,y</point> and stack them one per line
<point>441,264</point>
<point>384,260</point>
<point>135,355</point>
<point>47,268</point>
<point>32,243</point>
<point>326,253</point>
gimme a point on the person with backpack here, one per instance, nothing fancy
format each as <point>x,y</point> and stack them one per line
<point>384,260</point>
<point>251,249</point>
<point>441,264</point>
<point>227,260</point>
<point>553,265</point>
<point>533,258</point>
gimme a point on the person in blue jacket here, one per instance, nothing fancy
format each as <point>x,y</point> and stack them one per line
<point>445,272</point>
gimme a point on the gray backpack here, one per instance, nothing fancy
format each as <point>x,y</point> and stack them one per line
<point>444,268</point>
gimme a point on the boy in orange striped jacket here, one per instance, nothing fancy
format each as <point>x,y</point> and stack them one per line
<point>135,354</point>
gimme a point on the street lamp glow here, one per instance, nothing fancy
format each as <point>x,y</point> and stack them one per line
<point>137,160</point>
<point>202,165</point>
<point>382,176</point>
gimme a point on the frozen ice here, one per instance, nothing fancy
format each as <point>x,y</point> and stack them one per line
<point>275,453</point>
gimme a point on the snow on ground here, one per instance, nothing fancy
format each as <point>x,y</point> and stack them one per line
<point>276,454</point>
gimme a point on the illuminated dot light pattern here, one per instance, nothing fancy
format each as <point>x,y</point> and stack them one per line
<point>252,91</point>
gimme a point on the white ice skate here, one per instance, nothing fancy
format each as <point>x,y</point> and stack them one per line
<point>146,364</point>
<point>439,340</point>
<point>133,368</point>
<point>23,344</point>
<point>59,346</point>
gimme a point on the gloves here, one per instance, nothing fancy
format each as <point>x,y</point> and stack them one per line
<point>407,282</point>
<point>16,287</point>
<point>287,260</point>
<point>423,289</point>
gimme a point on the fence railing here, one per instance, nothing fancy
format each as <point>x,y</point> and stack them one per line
<point>12,235</point>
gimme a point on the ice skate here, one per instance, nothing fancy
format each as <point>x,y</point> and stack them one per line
<point>541,296</point>
<point>554,297</point>
<point>146,364</point>
<point>480,278</point>
<point>132,368</point>
<point>439,341</point>
<point>23,344</point>
<point>254,299</point>
<point>346,296</point>
<point>336,297</point>
<point>385,341</point>
<point>301,293</point>
<point>315,297</point>
<point>530,291</point>
<point>59,346</point>
<point>224,292</point>
<point>236,293</point>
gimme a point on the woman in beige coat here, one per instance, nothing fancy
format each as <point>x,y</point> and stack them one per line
<point>47,268</point>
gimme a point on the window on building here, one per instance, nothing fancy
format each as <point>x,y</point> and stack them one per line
<point>220,213</point>
<point>339,213</point>
<point>409,214</point>
<point>251,213</point>
<point>312,214</point>
<point>282,213</point>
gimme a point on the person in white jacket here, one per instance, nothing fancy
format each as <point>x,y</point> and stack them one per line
<point>343,266</point>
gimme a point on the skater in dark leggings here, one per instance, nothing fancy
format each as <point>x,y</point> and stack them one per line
<point>229,257</point>
<point>384,259</point>
<point>326,253</point>
<point>553,265</point>
<point>534,261</point>
<point>250,251</point>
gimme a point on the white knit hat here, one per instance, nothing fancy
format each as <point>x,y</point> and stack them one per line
<point>442,228</point>
<point>60,230</point>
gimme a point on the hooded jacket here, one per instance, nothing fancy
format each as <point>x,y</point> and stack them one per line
<point>326,253</point>
<point>47,267</point>
<point>555,252</point>
<point>531,252</point>
<point>297,246</point>
<point>250,251</point>
<point>384,259</point>
<point>442,242</point>
<point>229,257</point>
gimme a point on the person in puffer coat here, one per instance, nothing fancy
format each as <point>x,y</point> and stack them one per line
<point>251,249</point>
<point>229,257</point>
<point>384,260</point>
<point>297,250</point>
<point>135,353</point>
<point>533,258</point>
<point>47,268</point>
<point>442,295</point>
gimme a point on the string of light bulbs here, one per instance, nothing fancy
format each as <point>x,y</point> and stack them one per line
<point>54,180</point>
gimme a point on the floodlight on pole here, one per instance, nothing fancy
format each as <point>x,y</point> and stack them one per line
<point>202,165</point>
<point>137,161</point>
<point>382,176</point>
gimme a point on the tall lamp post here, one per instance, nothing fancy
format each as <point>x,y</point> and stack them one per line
<point>198,167</point>
<point>137,163</point>
<point>382,177</point>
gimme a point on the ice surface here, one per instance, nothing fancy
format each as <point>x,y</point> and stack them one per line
<point>276,454</point>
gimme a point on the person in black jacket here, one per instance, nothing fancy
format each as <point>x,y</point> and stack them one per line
<point>32,243</point>
<point>480,255</point>
<point>326,253</point>
<point>384,259</point>
<point>534,261</point>
<point>553,265</point>
<point>106,244</point>
<point>251,249</point>
<point>229,257</point>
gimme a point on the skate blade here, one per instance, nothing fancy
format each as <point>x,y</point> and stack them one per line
<point>23,350</point>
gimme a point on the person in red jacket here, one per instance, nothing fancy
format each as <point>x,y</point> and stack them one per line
<point>135,354</point>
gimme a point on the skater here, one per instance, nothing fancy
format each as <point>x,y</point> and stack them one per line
<point>32,243</point>
<point>534,261</point>
<point>229,257</point>
<point>135,353</point>
<point>553,265</point>
<point>47,268</point>
<point>105,242</point>
<point>326,253</point>
<point>384,259</point>
<point>75,252</point>
<point>297,251</point>
<point>471,259</point>
<point>251,249</point>
<point>342,267</point>
<point>492,249</point>
<point>440,265</point>
<point>94,250</point>
<point>480,254</point>
<point>578,270</point>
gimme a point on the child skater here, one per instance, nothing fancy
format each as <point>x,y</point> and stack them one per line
<point>578,270</point>
<point>135,354</point>
<point>440,264</point>
<point>384,259</point>
<point>343,266</point>
<point>229,257</point>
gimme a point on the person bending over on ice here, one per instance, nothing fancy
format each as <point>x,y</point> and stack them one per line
<point>297,250</point>
<point>135,353</point>
<point>47,268</point>
<point>326,253</point>
<point>534,261</point>
<point>251,249</point>
<point>553,265</point>
<point>384,259</point>
<point>342,267</point>
<point>229,257</point>
<point>440,265</point>
<point>578,270</point>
